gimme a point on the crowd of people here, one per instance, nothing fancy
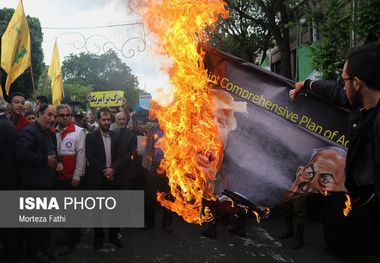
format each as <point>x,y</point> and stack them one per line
<point>61,148</point>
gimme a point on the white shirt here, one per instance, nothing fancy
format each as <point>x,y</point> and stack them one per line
<point>107,147</point>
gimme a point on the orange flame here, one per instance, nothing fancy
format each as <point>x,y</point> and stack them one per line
<point>348,207</point>
<point>191,142</point>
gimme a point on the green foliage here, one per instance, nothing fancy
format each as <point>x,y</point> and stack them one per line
<point>24,82</point>
<point>334,17</point>
<point>43,85</point>
<point>337,21</point>
<point>255,26</point>
<point>100,72</point>
<point>367,22</point>
<point>238,36</point>
<point>76,91</point>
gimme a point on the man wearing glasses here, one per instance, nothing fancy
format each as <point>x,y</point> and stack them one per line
<point>71,151</point>
<point>360,94</point>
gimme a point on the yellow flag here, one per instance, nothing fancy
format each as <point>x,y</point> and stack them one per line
<point>56,77</point>
<point>15,47</point>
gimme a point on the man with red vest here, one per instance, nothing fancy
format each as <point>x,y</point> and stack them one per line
<point>71,151</point>
<point>70,144</point>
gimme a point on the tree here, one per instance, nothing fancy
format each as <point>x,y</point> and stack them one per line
<point>100,72</point>
<point>76,91</point>
<point>24,82</point>
<point>270,19</point>
<point>333,18</point>
<point>339,20</point>
<point>367,22</point>
<point>237,36</point>
<point>42,85</point>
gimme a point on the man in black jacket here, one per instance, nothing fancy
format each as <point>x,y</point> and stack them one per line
<point>36,154</point>
<point>7,143</point>
<point>103,168</point>
<point>127,145</point>
<point>361,94</point>
<point>9,237</point>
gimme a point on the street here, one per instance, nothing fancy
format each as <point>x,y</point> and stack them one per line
<point>186,244</point>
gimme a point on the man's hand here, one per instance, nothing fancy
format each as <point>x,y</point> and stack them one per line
<point>207,161</point>
<point>75,182</point>
<point>59,167</point>
<point>298,87</point>
<point>109,173</point>
<point>52,162</point>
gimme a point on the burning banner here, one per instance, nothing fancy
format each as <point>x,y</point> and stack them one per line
<point>232,129</point>
<point>190,136</point>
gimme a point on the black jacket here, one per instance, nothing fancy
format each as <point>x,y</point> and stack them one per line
<point>32,150</point>
<point>126,150</point>
<point>363,157</point>
<point>96,158</point>
<point>8,180</point>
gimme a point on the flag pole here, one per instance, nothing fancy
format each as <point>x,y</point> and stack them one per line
<point>46,83</point>
<point>33,83</point>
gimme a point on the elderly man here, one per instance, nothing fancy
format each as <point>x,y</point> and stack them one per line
<point>121,120</point>
<point>71,151</point>
<point>71,143</point>
<point>359,92</point>
<point>28,106</point>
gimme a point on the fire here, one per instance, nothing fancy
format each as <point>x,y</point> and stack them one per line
<point>191,137</point>
<point>348,207</point>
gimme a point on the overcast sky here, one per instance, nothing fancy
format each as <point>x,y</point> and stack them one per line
<point>87,13</point>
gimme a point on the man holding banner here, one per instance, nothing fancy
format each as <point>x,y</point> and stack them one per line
<point>361,92</point>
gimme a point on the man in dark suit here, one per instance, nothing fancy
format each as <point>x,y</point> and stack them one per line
<point>37,162</point>
<point>127,146</point>
<point>7,144</point>
<point>103,169</point>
